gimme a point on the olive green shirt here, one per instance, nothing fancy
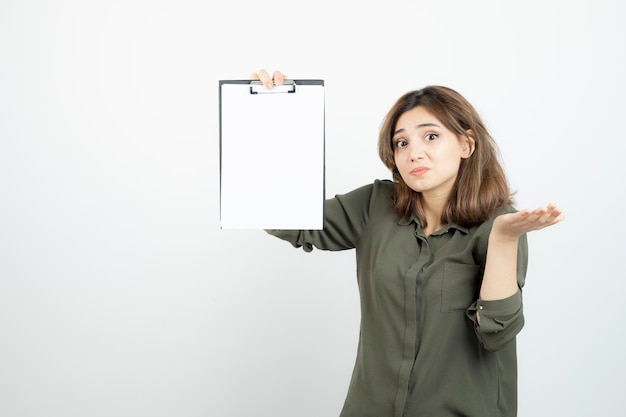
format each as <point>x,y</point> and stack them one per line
<point>421,352</point>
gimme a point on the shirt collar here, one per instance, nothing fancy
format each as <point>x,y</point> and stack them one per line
<point>406,222</point>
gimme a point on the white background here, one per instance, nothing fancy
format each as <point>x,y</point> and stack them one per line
<point>121,296</point>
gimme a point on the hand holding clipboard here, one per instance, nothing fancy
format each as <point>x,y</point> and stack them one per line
<point>263,76</point>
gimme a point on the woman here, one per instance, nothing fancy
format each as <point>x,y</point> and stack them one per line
<point>441,259</point>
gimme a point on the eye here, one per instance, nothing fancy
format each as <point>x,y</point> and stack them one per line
<point>400,143</point>
<point>431,136</point>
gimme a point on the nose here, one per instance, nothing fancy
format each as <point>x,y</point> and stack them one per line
<point>416,152</point>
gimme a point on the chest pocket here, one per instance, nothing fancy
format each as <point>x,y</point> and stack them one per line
<point>459,288</point>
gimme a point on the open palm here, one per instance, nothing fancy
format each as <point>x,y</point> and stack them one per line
<point>512,225</point>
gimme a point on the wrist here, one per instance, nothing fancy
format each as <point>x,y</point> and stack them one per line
<point>502,238</point>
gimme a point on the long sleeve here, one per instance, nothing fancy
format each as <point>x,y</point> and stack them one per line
<point>502,320</point>
<point>345,217</point>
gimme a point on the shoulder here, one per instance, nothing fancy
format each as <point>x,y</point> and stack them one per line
<point>378,188</point>
<point>384,187</point>
<point>504,210</point>
<point>371,198</point>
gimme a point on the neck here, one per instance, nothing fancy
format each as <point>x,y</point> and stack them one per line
<point>433,207</point>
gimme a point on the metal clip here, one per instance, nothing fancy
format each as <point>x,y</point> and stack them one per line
<point>257,87</point>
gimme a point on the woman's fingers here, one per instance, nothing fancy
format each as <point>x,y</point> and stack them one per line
<point>549,216</point>
<point>541,217</point>
<point>524,221</point>
<point>262,75</point>
<point>279,77</point>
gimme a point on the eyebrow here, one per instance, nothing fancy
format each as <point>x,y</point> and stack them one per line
<point>419,127</point>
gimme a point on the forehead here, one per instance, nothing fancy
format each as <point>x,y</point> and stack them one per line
<point>417,115</point>
<point>416,118</point>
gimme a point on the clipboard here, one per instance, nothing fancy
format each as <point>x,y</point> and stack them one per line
<point>272,143</point>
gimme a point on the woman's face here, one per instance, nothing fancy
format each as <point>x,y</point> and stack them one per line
<point>427,154</point>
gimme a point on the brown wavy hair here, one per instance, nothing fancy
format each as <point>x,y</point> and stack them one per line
<point>481,186</point>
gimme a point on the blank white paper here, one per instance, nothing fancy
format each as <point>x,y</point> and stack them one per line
<point>272,158</point>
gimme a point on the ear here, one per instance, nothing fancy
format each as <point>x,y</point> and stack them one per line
<point>468,143</point>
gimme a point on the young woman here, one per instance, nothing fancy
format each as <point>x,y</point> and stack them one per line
<point>441,259</point>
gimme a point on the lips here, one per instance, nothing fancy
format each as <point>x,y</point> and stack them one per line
<point>419,171</point>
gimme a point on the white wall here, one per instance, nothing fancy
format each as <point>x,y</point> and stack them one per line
<point>121,296</point>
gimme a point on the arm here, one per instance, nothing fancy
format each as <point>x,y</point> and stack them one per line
<point>500,279</point>
<point>500,302</point>
<point>345,218</point>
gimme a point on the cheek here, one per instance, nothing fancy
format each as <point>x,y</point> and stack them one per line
<point>399,157</point>
<point>397,165</point>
